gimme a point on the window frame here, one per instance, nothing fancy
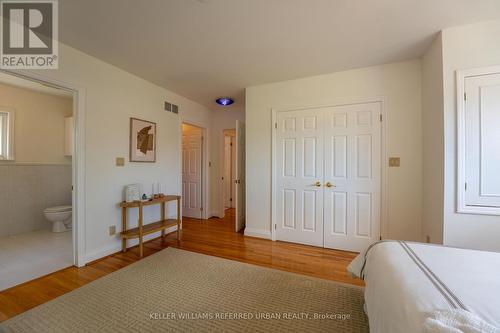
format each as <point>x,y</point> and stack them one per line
<point>8,145</point>
<point>462,206</point>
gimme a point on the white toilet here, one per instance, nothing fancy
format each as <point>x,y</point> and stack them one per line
<point>60,216</point>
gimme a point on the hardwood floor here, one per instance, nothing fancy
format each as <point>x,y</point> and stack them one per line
<point>213,237</point>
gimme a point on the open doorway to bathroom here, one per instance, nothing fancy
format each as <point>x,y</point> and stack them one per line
<point>36,148</point>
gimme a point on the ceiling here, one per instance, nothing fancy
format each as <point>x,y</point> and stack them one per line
<point>203,49</point>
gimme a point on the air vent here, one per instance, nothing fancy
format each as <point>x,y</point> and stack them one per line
<point>171,108</point>
<point>168,107</point>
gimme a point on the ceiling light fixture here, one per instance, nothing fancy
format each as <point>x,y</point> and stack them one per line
<point>224,101</point>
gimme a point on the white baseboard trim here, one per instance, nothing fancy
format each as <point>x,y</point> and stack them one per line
<point>259,233</point>
<point>116,247</point>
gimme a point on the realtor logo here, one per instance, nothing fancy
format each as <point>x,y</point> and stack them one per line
<point>29,34</point>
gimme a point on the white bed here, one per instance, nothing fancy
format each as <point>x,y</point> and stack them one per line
<point>410,286</point>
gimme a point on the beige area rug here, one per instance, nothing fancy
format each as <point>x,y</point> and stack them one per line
<point>181,291</point>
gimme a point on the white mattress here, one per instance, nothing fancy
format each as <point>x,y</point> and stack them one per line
<point>407,283</point>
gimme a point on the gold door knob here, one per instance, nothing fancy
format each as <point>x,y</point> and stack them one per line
<point>317,184</point>
<point>328,184</point>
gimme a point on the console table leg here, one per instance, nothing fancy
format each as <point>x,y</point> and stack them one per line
<point>124,227</point>
<point>163,218</point>
<point>140,231</point>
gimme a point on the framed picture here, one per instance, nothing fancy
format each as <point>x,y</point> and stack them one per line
<point>142,140</point>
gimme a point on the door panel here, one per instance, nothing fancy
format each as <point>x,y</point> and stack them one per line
<point>299,161</point>
<point>191,172</point>
<point>482,140</point>
<point>336,145</point>
<point>353,167</point>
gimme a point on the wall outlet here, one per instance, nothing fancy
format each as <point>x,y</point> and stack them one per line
<point>394,162</point>
<point>112,230</point>
<point>120,161</point>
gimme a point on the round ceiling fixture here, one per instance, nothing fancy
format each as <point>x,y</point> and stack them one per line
<point>224,101</point>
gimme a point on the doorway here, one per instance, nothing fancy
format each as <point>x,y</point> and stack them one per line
<point>229,173</point>
<point>327,176</point>
<point>192,171</point>
<point>38,233</point>
<point>233,175</point>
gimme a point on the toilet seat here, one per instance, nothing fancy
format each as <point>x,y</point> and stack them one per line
<point>58,209</point>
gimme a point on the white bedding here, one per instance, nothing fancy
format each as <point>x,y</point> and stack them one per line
<point>412,284</point>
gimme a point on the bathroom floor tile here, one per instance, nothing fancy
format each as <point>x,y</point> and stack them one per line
<point>27,256</point>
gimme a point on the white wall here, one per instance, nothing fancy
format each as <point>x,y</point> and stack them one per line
<point>222,119</point>
<point>398,83</point>
<point>466,47</point>
<point>112,97</point>
<point>39,124</point>
<point>433,142</point>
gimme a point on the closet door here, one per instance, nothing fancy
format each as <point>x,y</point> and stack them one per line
<point>352,176</point>
<point>299,176</point>
<point>482,141</point>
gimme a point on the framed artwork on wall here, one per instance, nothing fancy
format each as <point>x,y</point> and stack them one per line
<point>142,140</point>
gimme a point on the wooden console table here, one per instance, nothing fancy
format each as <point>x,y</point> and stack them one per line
<point>149,228</point>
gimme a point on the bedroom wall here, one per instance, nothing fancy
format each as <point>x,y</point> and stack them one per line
<point>222,119</point>
<point>466,47</point>
<point>112,97</point>
<point>398,83</point>
<point>433,142</point>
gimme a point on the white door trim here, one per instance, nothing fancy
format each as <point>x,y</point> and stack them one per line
<point>204,161</point>
<point>384,163</point>
<point>78,158</point>
<point>462,207</point>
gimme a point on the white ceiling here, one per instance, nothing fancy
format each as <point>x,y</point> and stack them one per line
<point>203,49</point>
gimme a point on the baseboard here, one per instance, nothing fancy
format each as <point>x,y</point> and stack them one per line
<point>259,233</point>
<point>117,246</point>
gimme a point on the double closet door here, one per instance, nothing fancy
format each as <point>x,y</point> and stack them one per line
<point>328,176</point>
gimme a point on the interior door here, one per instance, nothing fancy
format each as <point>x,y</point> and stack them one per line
<point>192,140</point>
<point>299,176</point>
<point>228,183</point>
<point>352,176</point>
<point>240,174</point>
<point>482,140</point>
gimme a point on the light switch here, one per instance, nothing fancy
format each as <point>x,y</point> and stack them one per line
<point>120,161</point>
<point>394,162</point>
<point>112,230</point>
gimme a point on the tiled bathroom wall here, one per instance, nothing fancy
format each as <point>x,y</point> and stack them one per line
<point>26,190</point>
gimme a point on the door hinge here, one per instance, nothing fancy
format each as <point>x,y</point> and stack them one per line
<point>380,238</point>
<point>465,96</point>
<point>380,117</point>
<point>201,209</point>
<point>465,186</point>
<point>276,125</point>
<point>275,227</point>
<point>230,199</point>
